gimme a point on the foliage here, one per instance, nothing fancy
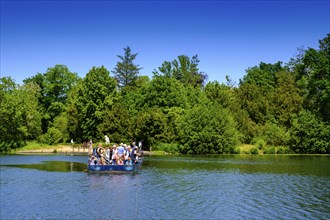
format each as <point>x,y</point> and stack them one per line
<point>207,129</point>
<point>313,71</point>
<point>283,150</point>
<point>270,150</point>
<point>126,72</point>
<point>167,147</point>
<point>95,95</point>
<point>117,124</point>
<point>150,126</point>
<point>254,150</point>
<point>309,134</point>
<point>55,85</point>
<point>20,120</point>
<point>273,105</point>
<point>164,92</point>
<point>184,69</point>
<point>259,142</point>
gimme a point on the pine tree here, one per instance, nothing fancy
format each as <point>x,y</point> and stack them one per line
<point>126,72</point>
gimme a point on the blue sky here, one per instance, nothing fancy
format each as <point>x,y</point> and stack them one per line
<point>228,36</point>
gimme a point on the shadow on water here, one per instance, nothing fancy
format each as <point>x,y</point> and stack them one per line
<point>276,164</point>
<point>52,166</point>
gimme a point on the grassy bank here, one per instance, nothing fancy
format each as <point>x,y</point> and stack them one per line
<point>162,149</point>
<point>34,147</point>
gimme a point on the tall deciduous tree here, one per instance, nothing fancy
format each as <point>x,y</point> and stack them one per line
<point>126,72</point>
<point>19,116</point>
<point>184,69</point>
<point>309,134</point>
<point>208,128</point>
<point>96,94</point>
<point>55,85</point>
<point>314,77</point>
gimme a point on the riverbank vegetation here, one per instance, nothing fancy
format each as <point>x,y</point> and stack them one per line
<point>177,110</point>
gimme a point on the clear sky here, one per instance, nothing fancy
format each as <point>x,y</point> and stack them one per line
<point>228,36</point>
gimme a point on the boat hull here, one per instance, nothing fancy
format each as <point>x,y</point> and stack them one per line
<point>115,168</point>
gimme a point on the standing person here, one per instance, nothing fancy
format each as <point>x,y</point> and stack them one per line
<point>90,147</point>
<point>107,140</point>
<point>128,160</point>
<point>108,154</point>
<point>134,153</point>
<point>121,149</point>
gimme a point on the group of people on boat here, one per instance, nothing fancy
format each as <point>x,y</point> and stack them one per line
<point>122,154</point>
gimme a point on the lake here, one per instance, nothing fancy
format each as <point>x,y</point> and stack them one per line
<point>168,187</point>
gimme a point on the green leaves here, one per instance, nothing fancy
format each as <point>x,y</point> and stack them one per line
<point>96,94</point>
<point>126,72</point>
<point>272,105</point>
<point>183,69</point>
<point>309,134</point>
<point>19,116</point>
<point>207,129</point>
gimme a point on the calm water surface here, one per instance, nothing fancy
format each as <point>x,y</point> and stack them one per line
<point>168,187</point>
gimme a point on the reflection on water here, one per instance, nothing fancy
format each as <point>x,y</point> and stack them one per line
<point>53,166</point>
<point>281,164</point>
<point>168,187</point>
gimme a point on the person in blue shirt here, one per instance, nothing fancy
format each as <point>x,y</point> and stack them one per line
<point>121,150</point>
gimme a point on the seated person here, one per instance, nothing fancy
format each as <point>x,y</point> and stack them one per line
<point>92,160</point>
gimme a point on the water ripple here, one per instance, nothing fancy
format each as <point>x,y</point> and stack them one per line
<point>171,188</point>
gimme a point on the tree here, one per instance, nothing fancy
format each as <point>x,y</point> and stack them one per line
<point>55,85</point>
<point>287,98</point>
<point>95,96</point>
<point>313,74</point>
<point>118,123</point>
<point>19,119</point>
<point>309,134</point>
<point>126,72</point>
<point>227,97</point>
<point>183,69</point>
<point>150,126</point>
<point>207,128</point>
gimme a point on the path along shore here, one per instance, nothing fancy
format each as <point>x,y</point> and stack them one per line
<point>63,150</point>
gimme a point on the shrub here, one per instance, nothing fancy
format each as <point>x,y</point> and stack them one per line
<point>283,150</point>
<point>235,150</point>
<point>254,151</point>
<point>269,150</point>
<point>259,142</point>
<point>167,147</point>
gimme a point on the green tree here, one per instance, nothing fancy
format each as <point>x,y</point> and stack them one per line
<point>257,90</point>
<point>313,73</point>
<point>227,97</point>
<point>309,134</point>
<point>184,69</point>
<point>55,85</point>
<point>150,126</point>
<point>95,96</point>
<point>287,98</point>
<point>117,124</point>
<point>126,72</point>
<point>19,116</point>
<point>73,111</point>
<point>207,128</point>
<point>164,92</point>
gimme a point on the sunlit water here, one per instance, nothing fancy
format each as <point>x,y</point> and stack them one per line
<point>199,187</point>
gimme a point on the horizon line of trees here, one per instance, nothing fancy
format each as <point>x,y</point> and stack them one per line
<point>273,104</point>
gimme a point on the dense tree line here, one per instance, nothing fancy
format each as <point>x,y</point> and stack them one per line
<point>276,104</point>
